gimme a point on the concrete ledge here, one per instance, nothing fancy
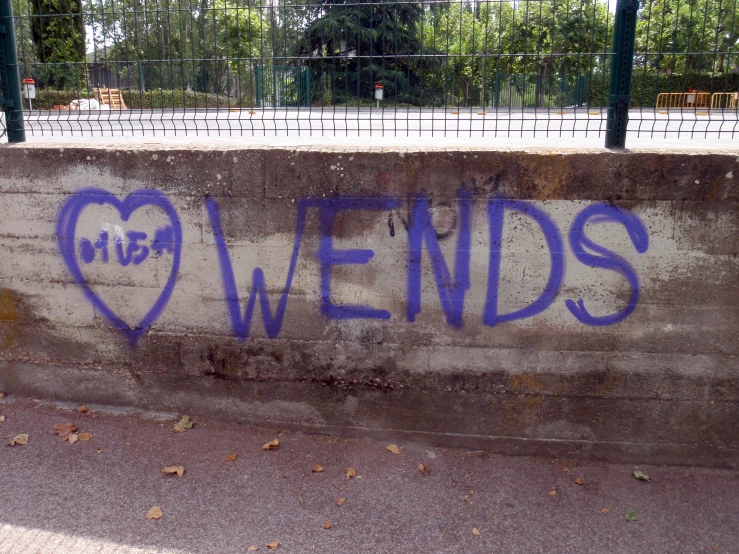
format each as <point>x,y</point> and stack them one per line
<point>369,291</point>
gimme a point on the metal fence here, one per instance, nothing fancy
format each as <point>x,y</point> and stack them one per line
<point>482,68</point>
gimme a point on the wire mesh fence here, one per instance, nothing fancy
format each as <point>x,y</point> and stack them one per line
<point>400,67</point>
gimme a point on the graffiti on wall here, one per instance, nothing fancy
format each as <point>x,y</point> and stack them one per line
<point>137,247</point>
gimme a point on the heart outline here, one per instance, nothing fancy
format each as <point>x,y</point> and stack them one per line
<point>66,232</point>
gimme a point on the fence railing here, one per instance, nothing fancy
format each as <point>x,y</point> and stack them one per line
<point>478,68</point>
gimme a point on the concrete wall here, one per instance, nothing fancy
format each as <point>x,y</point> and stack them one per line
<point>560,302</point>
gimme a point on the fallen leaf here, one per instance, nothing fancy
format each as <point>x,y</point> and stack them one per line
<point>179,470</point>
<point>426,470</point>
<point>2,418</point>
<point>605,511</point>
<point>631,515</point>
<point>252,549</point>
<point>476,531</point>
<point>327,525</point>
<point>19,439</point>
<point>340,501</point>
<point>155,512</point>
<point>3,395</point>
<point>351,472</point>
<point>84,437</point>
<point>465,498</point>
<point>565,469</point>
<point>713,547</point>
<point>552,493</point>
<point>83,409</point>
<point>471,492</point>
<point>318,468</point>
<point>73,438</point>
<point>272,445</point>
<point>578,481</point>
<point>273,545</point>
<point>65,429</point>
<point>231,457</point>
<point>394,449</point>
<point>639,475</point>
<point>183,424</point>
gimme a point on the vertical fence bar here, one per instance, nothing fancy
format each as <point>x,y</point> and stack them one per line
<point>621,66</point>
<point>11,78</point>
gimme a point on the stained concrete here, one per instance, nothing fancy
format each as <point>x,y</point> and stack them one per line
<point>660,386</point>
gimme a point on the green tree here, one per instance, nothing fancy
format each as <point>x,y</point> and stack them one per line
<point>58,32</point>
<point>355,46</point>
<point>688,36</point>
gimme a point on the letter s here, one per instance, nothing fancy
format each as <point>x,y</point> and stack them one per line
<point>606,259</point>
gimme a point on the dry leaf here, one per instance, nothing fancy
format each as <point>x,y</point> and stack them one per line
<point>565,469</point>
<point>605,511</point>
<point>73,438</point>
<point>713,547</point>
<point>179,470</point>
<point>340,501</point>
<point>327,525</point>
<point>252,549</point>
<point>83,409</point>
<point>231,457</point>
<point>578,481</point>
<point>394,449</point>
<point>183,424</point>
<point>2,418</point>
<point>272,445</point>
<point>3,395</point>
<point>84,437</point>
<point>19,439</point>
<point>426,470</point>
<point>273,545</point>
<point>476,531</point>
<point>552,493</point>
<point>318,468</point>
<point>155,512</point>
<point>65,429</point>
<point>351,472</point>
<point>471,492</point>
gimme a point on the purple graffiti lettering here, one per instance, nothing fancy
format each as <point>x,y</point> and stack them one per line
<point>66,233</point>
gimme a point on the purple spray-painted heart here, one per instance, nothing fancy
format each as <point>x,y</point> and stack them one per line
<point>172,242</point>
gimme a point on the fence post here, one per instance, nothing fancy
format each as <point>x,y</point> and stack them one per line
<point>11,78</point>
<point>623,61</point>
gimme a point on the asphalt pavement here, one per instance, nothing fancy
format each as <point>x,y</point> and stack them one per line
<point>94,495</point>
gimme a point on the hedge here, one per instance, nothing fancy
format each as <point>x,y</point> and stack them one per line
<point>644,91</point>
<point>645,88</point>
<point>46,99</point>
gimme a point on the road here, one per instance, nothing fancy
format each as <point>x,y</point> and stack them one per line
<point>566,127</point>
<point>93,496</point>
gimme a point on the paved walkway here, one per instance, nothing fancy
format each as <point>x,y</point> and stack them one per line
<point>93,496</point>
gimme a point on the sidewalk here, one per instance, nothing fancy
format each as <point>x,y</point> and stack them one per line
<point>93,496</point>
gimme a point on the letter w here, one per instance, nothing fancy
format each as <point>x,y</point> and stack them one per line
<point>241,324</point>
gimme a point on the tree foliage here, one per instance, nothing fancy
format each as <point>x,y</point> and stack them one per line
<point>58,32</point>
<point>463,52</point>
